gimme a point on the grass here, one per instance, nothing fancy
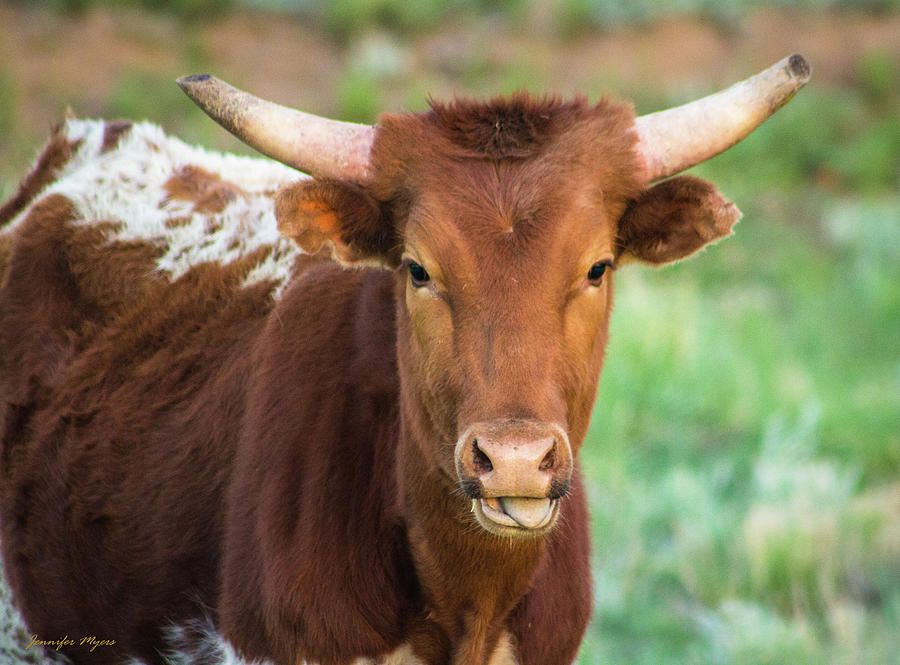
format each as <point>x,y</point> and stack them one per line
<point>733,521</point>
<point>345,19</point>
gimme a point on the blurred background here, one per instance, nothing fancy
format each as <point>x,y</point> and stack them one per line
<point>744,457</point>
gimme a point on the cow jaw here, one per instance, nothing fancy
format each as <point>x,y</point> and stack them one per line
<point>516,516</point>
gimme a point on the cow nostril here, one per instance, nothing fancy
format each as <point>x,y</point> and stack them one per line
<point>549,460</point>
<point>481,460</point>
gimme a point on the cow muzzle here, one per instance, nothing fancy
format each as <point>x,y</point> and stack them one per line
<point>515,472</point>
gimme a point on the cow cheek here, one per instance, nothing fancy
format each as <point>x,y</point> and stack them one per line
<point>585,319</point>
<point>429,317</point>
<point>432,355</point>
<point>586,334</point>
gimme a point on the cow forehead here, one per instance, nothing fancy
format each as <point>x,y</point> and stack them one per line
<point>488,221</point>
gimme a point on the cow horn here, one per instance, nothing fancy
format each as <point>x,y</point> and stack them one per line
<point>675,139</point>
<point>314,145</point>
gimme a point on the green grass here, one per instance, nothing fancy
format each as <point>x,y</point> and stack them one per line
<point>185,9</point>
<point>735,482</point>
<point>345,19</point>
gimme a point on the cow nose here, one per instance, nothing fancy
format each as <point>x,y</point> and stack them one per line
<point>514,458</point>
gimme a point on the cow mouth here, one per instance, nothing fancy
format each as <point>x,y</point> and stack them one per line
<point>515,515</point>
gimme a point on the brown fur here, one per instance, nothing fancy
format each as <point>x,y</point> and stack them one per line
<point>113,132</point>
<point>513,128</point>
<point>206,190</point>
<point>673,220</point>
<point>57,152</point>
<point>337,213</point>
<point>173,449</point>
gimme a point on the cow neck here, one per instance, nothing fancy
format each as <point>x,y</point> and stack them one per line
<point>470,579</point>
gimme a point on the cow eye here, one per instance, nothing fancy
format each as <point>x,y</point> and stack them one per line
<point>595,274</point>
<point>418,275</point>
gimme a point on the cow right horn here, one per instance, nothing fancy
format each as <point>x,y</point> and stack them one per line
<point>675,139</point>
<point>312,144</point>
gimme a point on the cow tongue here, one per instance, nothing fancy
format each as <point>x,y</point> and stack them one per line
<point>529,513</point>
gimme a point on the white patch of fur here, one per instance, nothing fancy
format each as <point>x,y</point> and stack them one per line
<point>126,185</point>
<point>199,643</point>
<point>402,655</point>
<point>15,639</point>
<point>504,652</point>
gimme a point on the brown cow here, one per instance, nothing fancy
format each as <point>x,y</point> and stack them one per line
<point>207,430</point>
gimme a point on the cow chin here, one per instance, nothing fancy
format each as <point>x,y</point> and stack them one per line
<point>517,517</point>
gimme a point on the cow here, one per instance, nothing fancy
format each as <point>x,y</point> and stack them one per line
<point>330,419</point>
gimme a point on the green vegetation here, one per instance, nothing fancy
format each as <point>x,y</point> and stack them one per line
<point>348,17</point>
<point>8,103</point>
<point>187,9</point>
<point>358,96</point>
<point>141,94</point>
<point>8,123</point>
<point>345,18</point>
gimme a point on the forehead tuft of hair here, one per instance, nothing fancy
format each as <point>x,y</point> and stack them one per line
<point>515,127</point>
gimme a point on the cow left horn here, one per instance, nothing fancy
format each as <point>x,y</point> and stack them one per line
<point>312,144</point>
<point>675,139</point>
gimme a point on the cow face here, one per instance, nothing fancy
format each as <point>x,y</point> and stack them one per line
<point>504,223</point>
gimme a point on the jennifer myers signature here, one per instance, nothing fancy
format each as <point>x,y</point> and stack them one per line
<point>93,642</point>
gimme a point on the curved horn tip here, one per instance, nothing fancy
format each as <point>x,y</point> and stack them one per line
<point>191,79</point>
<point>799,67</point>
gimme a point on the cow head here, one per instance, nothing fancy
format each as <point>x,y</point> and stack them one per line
<point>504,222</point>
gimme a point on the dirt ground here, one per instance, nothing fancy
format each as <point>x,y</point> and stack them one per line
<point>53,61</point>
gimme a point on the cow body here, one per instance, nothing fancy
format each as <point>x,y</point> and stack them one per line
<point>88,363</point>
<point>200,420</point>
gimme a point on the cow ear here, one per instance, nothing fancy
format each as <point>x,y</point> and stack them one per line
<point>319,213</point>
<point>673,220</point>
